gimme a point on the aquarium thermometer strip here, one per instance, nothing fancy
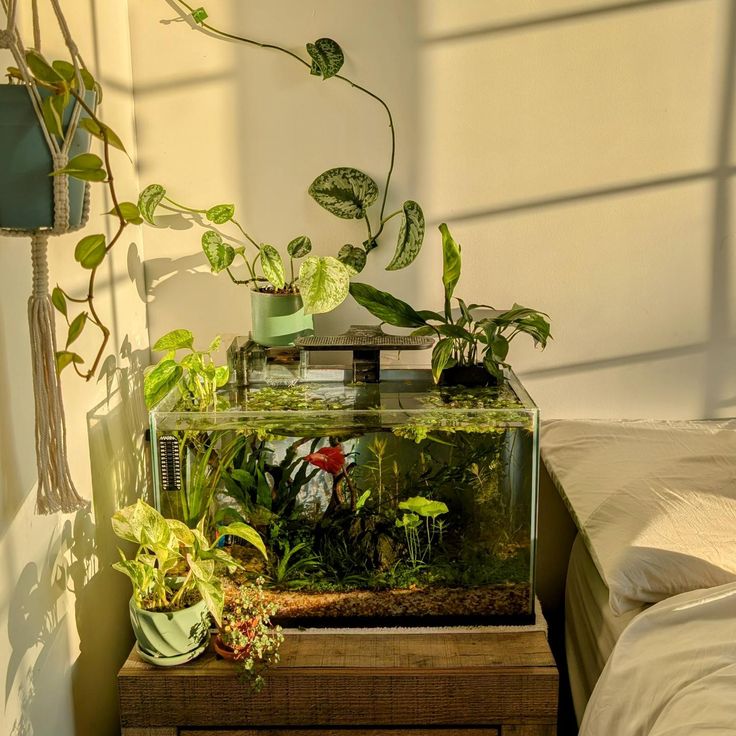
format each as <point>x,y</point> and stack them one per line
<point>169,463</point>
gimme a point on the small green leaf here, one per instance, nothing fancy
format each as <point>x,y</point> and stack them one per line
<point>128,211</point>
<point>385,307</point>
<point>219,254</point>
<point>86,166</point>
<point>215,344</point>
<point>323,284</point>
<point>352,257</point>
<point>345,192</point>
<point>222,375</point>
<point>64,69</point>
<point>220,213</point>
<point>451,265</point>
<point>149,199</point>
<point>175,340</point>
<point>272,265</point>
<point>94,129</point>
<point>89,83</point>
<point>65,358</point>
<point>327,57</point>
<point>361,501</point>
<point>411,236</point>
<point>59,300</point>
<point>41,69</point>
<point>299,247</point>
<point>90,251</point>
<point>160,381</point>
<point>76,327</point>
<point>199,15</point>
<point>52,108</point>
<point>441,355</point>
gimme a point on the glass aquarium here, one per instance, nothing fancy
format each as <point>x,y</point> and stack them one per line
<point>394,503</point>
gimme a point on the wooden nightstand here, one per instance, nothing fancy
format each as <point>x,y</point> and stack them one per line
<point>367,683</point>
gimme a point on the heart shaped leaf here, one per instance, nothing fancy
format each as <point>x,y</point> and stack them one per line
<point>90,251</point>
<point>149,199</point>
<point>323,284</point>
<point>174,340</point>
<point>273,266</point>
<point>221,213</point>
<point>160,381</point>
<point>219,254</point>
<point>352,257</point>
<point>344,191</point>
<point>411,235</point>
<point>299,247</point>
<point>327,57</point>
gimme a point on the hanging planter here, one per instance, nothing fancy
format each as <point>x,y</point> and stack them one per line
<point>26,189</point>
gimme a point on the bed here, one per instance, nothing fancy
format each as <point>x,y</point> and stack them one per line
<point>655,507</point>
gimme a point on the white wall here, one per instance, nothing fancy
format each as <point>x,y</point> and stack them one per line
<point>579,150</point>
<point>63,618</point>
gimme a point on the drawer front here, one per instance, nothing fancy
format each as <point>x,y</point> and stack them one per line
<point>486,731</point>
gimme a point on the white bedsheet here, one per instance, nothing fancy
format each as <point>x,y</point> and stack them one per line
<point>654,500</point>
<point>672,672</point>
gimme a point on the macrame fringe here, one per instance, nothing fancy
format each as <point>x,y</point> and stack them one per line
<point>56,491</point>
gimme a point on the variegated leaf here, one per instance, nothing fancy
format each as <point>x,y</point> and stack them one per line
<point>344,191</point>
<point>273,266</point>
<point>411,235</point>
<point>299,247</point>
<point>327,57</point>
<point>352,257</point>
<point>323,284</point>
<point>149,199</point>
<point>220,213</point>
<point>219,254</point>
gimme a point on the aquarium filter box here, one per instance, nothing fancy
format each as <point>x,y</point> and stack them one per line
<point>394,502</point>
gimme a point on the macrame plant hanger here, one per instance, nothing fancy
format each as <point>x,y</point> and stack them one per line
<point>56,491</point>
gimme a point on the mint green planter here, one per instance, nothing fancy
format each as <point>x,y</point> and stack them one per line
<point>278,319</point>
<point>168,635</point>
<point>26,189</point>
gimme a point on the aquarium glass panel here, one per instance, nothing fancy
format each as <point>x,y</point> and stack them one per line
<point>399,502</point>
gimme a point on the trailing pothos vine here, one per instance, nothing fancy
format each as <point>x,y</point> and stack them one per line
<point>344,191</point>
<point>66,86</point>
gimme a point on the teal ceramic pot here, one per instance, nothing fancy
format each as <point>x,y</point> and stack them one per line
<point>170,634</point>
<point>278,319</point>
<point>26,189</point>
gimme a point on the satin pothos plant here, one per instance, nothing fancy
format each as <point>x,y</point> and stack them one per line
<point>344,191</point>
<point>469,336</point>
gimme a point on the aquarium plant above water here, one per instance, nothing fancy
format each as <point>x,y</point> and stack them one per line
<point>399,502</point>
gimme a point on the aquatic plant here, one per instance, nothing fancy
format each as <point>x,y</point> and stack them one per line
<point>421,512</point>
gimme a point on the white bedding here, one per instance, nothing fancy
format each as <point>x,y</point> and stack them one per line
<point>672,672</point>
<point>654,500</point>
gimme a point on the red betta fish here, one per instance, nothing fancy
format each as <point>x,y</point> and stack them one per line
<point>329,459</point>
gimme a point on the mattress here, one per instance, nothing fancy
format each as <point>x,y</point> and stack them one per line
<point>591,627</point>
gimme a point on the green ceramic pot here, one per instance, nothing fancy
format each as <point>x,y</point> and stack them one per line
<point>26,189</point>
<point>278,319</point>
<point>170,634</point>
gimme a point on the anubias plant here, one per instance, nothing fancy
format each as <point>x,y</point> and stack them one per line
<point>174,565</point>
<point>65,83</point>
<point>196,374</point>
<point>475,335</point>
<point>344,191</point>
<point>322,281</point>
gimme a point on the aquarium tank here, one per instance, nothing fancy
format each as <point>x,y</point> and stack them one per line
<point>390,503</point>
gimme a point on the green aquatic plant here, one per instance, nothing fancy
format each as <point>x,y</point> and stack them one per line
<point>422,512</point>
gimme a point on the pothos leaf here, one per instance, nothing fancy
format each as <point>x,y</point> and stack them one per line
<point>299,247</point>
<point>411,235</point>
<point>92,127</point>
<point>76,327</point>
<point>160,381</point>
<point>65,358</point>
<point>219,254</point>
<point>220,213</point>
<point>323,284</point>
<point>272,265</point>
<point>53,111</point>
<point>344,191</point>
<point>128,211</point>
<point>59,300</point>
<point>175,340</point>
<point>149,199</point>
<point>327,57</point>
<point>248,533</point>
<point>90,251</point>
<point>41,69</point>
<point>352,257</point>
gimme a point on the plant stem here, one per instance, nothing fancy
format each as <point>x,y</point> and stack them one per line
<point>307,64</point>
<point>182,206</point>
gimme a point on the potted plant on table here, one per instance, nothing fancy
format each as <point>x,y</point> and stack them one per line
<point>473,341</point>
<point>176,587</point>
<point>283,299</point>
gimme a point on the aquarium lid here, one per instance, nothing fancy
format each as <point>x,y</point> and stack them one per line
<point>366,343</point>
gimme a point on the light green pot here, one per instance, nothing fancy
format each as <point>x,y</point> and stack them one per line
<point>170,634</point>
<point>278,319</point>
<point>26,189</point>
